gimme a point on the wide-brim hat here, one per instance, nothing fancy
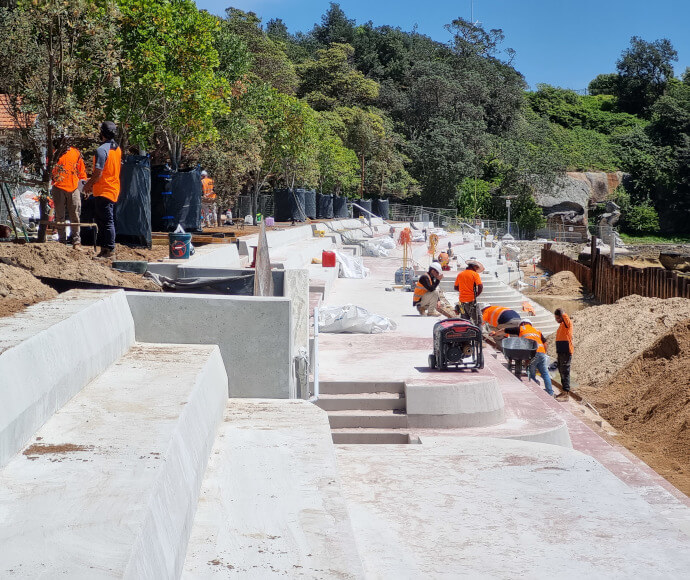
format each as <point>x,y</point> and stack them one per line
<point>477,263</point>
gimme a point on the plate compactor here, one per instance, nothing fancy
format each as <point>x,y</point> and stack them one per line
<point>457,343</point>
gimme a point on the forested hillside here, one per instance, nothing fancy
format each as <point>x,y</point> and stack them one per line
<point>346,107</point>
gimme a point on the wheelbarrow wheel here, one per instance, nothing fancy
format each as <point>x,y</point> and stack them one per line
<point>518,369</point>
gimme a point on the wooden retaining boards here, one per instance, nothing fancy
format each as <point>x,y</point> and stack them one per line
<point>161,239</point>
<point>608,283</point>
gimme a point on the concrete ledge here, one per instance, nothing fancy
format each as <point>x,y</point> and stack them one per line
<point>110,484</point>
<point>260,366</point>
<point>271,504</point>
<point>209,256</point>
<point>49,352</point>
<point>467,404</point>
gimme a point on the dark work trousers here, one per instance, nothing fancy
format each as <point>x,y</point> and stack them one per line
<point>105,218</point>
<point>564,359</point>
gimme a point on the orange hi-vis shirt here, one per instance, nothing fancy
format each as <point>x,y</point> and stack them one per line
<point>109,159</point>
<point>207,188</point>
<point>465,283</point>
<point>491,314</point>
<point>564,335</point>
<point>68,170</point>
<point>528,331</point>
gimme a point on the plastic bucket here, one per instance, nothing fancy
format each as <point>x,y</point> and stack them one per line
<point>328,259</point>
<point>270,221</point>
<point>179,246</point>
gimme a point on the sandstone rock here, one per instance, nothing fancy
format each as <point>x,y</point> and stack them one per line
<point>679,261</point>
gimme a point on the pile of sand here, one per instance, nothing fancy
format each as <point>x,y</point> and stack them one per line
<point>18,289</point>
<point>562,284</point>
<point>60,261</point>
<point>608,338</point>
<point>649,403</point>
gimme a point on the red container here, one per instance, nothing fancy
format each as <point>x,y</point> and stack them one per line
<point>328,259</point>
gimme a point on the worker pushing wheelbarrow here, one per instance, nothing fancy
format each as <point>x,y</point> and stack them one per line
<point>528,349</point>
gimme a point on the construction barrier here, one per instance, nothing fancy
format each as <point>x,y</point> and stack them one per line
<point>609,283</point>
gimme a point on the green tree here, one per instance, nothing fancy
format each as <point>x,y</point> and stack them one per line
<point>331,80</point>
<point>644,70</point>
<point>474,198</point>
<point>335,27</point>
<point>169,89</point>
<point>58,59</point>
<point>641,219</point>
<point>338,165</point>
<point>604,84</point>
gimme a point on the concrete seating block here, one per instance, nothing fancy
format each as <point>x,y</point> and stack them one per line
<point>109,485</point>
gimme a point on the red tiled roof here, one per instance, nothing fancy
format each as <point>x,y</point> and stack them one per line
<point>7,120</point>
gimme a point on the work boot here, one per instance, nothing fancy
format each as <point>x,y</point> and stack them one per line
<point>76,245</point>
<point>432,313</point>
<point>106,253</point>
<point>421,310</point>
<point>564,396</point>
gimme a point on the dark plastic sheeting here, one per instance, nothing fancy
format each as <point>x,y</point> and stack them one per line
<point>324,206</point>
<point>310,204</point>
<point>365,203</point>
<point>175,199</point>
<point>381,208</point>
<point>288,205</point>
<point>133,210</point>
<point>340,207</point>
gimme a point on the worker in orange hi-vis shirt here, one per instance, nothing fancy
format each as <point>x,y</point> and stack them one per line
<point>68,171</point>
<point>105,185</point>
<point>469,285</point>
<point>209,209</point>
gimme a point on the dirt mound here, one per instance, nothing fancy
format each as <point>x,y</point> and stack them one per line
<point>649,402</point>
<point>562,284</point>
<point>608,338</point>
<point>18,289</point>
<point>155,254</point>
<point>60,261</point>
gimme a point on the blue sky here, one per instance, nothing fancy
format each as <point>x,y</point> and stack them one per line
<point>560,42</point>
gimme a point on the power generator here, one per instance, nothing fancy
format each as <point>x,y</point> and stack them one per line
<point>457,343</point>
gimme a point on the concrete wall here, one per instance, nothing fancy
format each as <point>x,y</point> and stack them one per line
<point>254,335</point>
<point>50,352</point>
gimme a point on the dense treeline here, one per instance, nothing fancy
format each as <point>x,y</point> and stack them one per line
<point>354,109</point>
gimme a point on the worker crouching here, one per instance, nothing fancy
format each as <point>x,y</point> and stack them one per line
<point>426,295</point>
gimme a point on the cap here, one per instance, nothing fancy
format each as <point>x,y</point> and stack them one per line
<point>525,321</point>
<point>436,266</point>
<point>204,173</point>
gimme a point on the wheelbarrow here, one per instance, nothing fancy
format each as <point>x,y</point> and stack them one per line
<point>518,351</point>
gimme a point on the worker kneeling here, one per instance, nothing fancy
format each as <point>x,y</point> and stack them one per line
<point>426,291</point>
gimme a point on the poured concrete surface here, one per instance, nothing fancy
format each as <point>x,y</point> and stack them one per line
<point>492,508</point>
<point>271,504</point>
<point>109,485</point>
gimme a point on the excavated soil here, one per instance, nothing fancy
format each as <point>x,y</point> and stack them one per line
<point>562,284</point>
<point>19,264</point>
<point>19,289</point>
<point>609,338</point>
<point>648,402</point>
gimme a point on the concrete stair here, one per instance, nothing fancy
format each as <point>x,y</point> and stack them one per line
<point>365,412</point>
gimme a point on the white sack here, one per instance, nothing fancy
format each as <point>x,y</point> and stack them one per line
<point>353,319</point>
<point>350,266</point>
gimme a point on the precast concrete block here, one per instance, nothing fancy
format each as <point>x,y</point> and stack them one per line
<point>254,335</point>
<point>49,352</point>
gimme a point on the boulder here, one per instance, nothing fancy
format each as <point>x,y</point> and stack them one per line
<point>679,261</point>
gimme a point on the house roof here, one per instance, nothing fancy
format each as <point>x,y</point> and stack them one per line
<point>7,120</point>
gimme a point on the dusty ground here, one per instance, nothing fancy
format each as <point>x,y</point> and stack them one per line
<point>648,402</point>
<point>562,284</point>
<point>21,263</point>
<point>19,289</point>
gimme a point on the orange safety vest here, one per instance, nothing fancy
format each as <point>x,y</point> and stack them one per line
<point>207,188</point>
<point>419,291</point>
<point>491,314</point>
<point>466,281</point>
<point>109,184</point>
<point>565,333</point>
<point>69,170</point>
<point>528,331</point>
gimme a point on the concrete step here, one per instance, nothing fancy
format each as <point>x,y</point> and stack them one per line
<point>358,419</point>
<point>353,387</point>
<point>271,504</point>
<point>371,436</point>
<point>366,402</point>
<point>109,485</point>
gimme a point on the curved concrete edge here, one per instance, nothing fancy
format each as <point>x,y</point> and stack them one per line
<point>474,403</point>
<point>45,370</point>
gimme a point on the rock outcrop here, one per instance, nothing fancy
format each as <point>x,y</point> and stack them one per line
<point>679,261</point>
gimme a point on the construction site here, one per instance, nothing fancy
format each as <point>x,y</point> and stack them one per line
<point>275,406</point>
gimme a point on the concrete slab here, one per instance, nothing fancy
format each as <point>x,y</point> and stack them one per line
<point>490,508</point>
<point>50,351</point>
<point>254,335</point>
<point>271,504</point>
<point>109,486</point>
